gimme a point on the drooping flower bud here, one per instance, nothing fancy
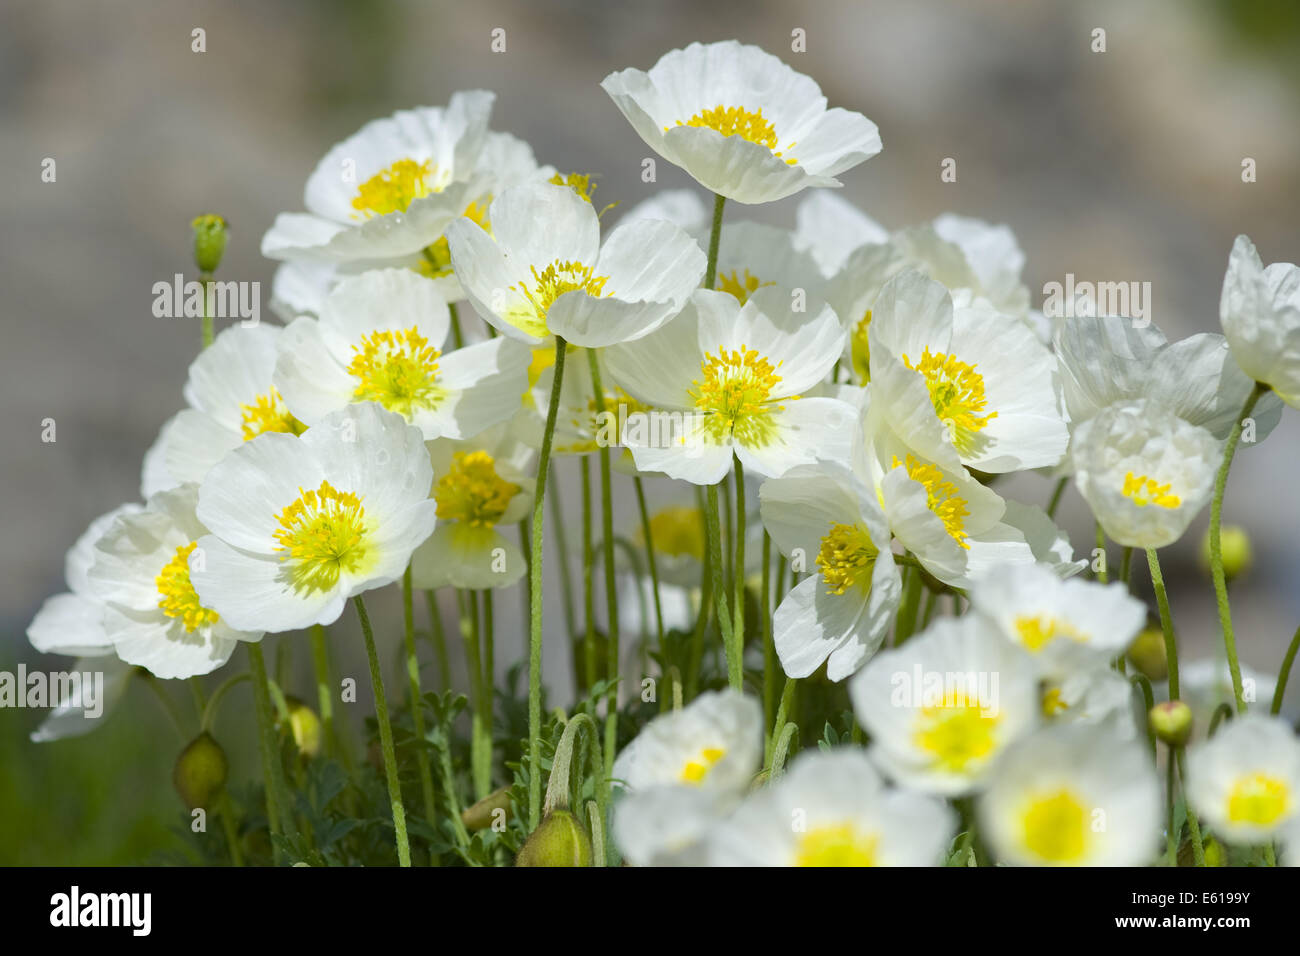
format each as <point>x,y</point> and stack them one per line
<point>559,840</point>
<point>210,235</point>
<point>1147,652</point>
<point>1234,545</point>
<point>1172,722</point>
<point>304,725</point>
<point>495,806</point>
<point>200,771</point>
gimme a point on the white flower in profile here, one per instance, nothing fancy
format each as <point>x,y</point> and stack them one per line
<point>300,524</point>
<point>231,399</point>
<point>531,283</point>
<point>152,613</point>
<point>390,189</point>
<point>742,123</point>
<point>1145,472</point>
<point>841,611</point>
<point>1073,795</point>
<point>966,385</point>
<point>480,484</point>
<point>833,809</point>
<point>1244,782</point>
<point>1097,695</point>
<point>1260,313</point>
<point>723,379</point>
<point>943,707</point>
<point>378,339</point>
<point>1065,625</point>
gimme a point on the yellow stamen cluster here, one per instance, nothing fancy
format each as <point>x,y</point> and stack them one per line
<point>740,286</point>
<point>941,497</point>
<point>397,369</point>
<point>435,259</point>
<point>697,769</point>
<point>751,125</point>
<point>1036,632</point>
<point>1054,827</point>
<point>846,558</point>
<point>1143,491</point>
<point>1258,798</point>
<point>394,189</point>
<point>178,598</point>
<point>472,492</point>
<point>839,844</point>
<point>679,532</point>
<point>322,535</point>
<point>733,392</point>
<point>268,413</point>
<point>957,394</point>
<point>957,732</point>
<point>551,283</point>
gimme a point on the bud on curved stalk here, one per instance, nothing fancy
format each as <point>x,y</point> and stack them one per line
<point>200,771</point>
<point>559,840</point>
<point>1172,722</point>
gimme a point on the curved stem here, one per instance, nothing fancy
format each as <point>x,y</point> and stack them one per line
<point>1216,547</point>
<point>385,736</point>
<point>1285,673</point>
<point>214,702</point>
<point>1149,698</point>
<point>457,336</point>
<point>417,698</point>
<point>1166,621</point>
<point>715,235</point>
<point>169,705</point>
<point>735,674</point>
<point>1221,713</point>
<point>1057,492</point>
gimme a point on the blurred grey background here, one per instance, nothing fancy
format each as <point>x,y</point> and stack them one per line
<point>1117,165</point>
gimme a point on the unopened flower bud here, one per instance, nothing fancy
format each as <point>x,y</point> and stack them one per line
<point>210,235</point>
<point>1172,722</point>
<point>1147,652</point>
<point>200,771</point>
<point>559,840</point>
<point>495,806</point>
<point>304,725</point>
<point>1234,545</point>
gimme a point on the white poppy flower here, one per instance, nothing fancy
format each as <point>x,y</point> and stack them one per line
<point>1260,312</point>
<point>1073,795</point>
<point>300,524</point>
<point>841,611</point>
<point>722,378</point>
<point>479,485</point>
<point>668,825</point>
<point>740,122</point>
<point>1244,782</point>
<point>1145,472</point>
<point>832,809</point>
<point>142,573</point>
<point>1064,625</point>
<point>943,707</point>
<point>1098,695</point>
<point>753,255</point>
<point>532,283</point>
<point>378,339</point>
<point>831,228</point>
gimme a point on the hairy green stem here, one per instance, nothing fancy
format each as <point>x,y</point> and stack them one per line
<point>385,736</point>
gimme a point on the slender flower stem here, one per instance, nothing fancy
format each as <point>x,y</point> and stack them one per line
<point>701,628</point>
<point>1216,546</point>
<point>1104,574</point>
<point>469,630</point>
<point>905,625</point>
<point>1057,492</point>
<point>417,698</point>
<point>566,575</point>
<point>385,736</point>
<point>1193,824</point>
<point>651,561</point>
<point>1285,673</point>
<point>738,601</point>
<point>207,336</point>
<point>535,597</point>
<point>439,635</point>
<point>1171,838</point>
<point>1166,621</point>
<point>227,811</point>
<point>266,740</point>
<point>770,663</point>
<point>715,235</point>
<point>782,714</point>
<point>1125,565</point>
<point>457,336</point>
<point>324,698</point>
<point>588,582</point>
<point>735,673</point>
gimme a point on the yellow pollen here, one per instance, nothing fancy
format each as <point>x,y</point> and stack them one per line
<point>846,558</point>
<point>957,394</point>
<point>472,492</point>
<point>178,598</point>
<point>733,393</point>
<point>837,844</point>
<point>860,348</point>
<point>397,369</point>
<point>1258,798</point>
<point>740,286</point>
<point>1053,702</point>
<point>394,189</point>
<point>696,770</point>
<point>738,121</point>
<point>1145,491</point>
<point>547,286</point>
<point>679,531</point>
<point>957,732</point>
<point>1055,827</point>
<point>321,535</point>
<point>435,261</point>
<point>1037,632</point>
<point>268,414</point>
<point>940,497</point>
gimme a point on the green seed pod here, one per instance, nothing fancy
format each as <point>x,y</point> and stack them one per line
<point>559,840</point>
<point>484,813</point>
<point>1172,722</point>
<point>1147,652</point>
<point>200,771</point>
<point>210,235</point>
<point>1234,545</point>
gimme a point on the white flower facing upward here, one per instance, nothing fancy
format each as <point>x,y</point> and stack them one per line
<point>1260,312</point>
<point>740,122</point>
<point>142,573</point>
<point>1145,472</point>
<point>833,809</point>
<point>300,524</point>
<point>379,339</point>
<point>1073,795</point>
<point>841,611</point>
<point>724,379</point>
<point>1244,782</point>
<point>531,283</point>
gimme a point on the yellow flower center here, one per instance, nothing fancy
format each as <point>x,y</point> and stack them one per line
<point>436,257</point>
<point>678,532</point>
<point>837,844</point>
<point>738,121</point>
<point>394,188</point>
<point>397,369</point>
<point>957,732</point>
<point>1258,798</point>
<point>860,348</point>
<point>941,497</point>
<point>1037,632</point>
<point>178,598</point>
<point>1145,491</point>
<point>268,413</point>
<point>846,558</point>
<point>1054,827</point>
<point>733,393</point>
<point>323,534</point>
<point>740,286</point>
<point>547,286</point>
<point>472,492</point>
<point>1053,702</point>
<point>696,769</point>
<point>957,394</point>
